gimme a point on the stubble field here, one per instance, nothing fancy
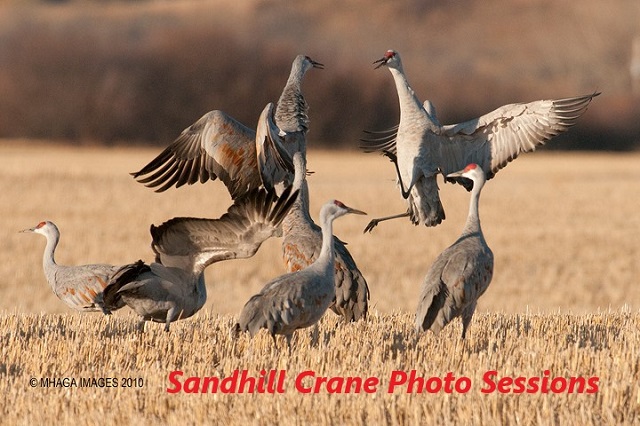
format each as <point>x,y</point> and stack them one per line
<point>562,227</point>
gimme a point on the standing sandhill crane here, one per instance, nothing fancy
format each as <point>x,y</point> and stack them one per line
<point>218,146</point>
<point>297,299</point>
<point>421,148</point>
<point>301,246</point>
<point>173,287</point>
<point>461,273</point>
<point>80,287</point>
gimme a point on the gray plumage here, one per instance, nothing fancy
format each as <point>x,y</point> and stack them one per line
<point>297,299</point>
<point>157,292</point>
<point>291,114</point>
<point>420,147</point>
<point>173,287</point>
<point>301,246</point>
<point>79,287</point>
<point>218,146</point>
<point>461,273</point>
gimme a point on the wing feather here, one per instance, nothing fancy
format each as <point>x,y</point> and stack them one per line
<point>352,291</point>
<point>215,146</point>
<point>274,162</point>
<point>194,243</point>
<point>497,138</point>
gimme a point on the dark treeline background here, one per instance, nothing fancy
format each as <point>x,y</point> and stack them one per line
<point>113,72</point>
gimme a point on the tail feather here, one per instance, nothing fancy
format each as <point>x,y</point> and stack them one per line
<point>432,302</point>
<point>111,298</point>
<point>424,202</point>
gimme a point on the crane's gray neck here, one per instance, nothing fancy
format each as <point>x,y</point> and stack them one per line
<point>473,218</point>
<point>291,110</point>
<point>326,257</point>
<point>48,261</point>
<point>410,106</point>
<point>299,213</point>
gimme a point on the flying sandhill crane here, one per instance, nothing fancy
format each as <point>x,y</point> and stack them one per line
<point>297,299</point>
<point>461,273</point>
<point>80,287</point>
<point>420,147</point>
<point>301,246</point>
<point>173,287</point>
<point>218,146</point>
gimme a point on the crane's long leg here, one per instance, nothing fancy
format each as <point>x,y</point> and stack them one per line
<point>375,222</point>
<point>172,315</point>
<point>467,314</point>
<point>289,336</point>
<point>394,159</point>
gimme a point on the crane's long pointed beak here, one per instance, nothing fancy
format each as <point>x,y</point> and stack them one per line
<point>380,62</point>
<point>317,65</point>
<point>27,230</point>
<point>455,174</point>
<point>355,211</point>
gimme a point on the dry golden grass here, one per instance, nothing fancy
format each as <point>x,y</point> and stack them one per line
<point>600,345</point>
<point>562,228</point>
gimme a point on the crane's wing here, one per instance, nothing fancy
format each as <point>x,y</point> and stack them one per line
<point>273,308</point>
<point>457,278</point>
<point>430,108</point>
<point>283,305</point>
<point>193,244</point>
<point>274,162</point>
<point>498,137</point>
<point>81,287</point>
<point>352,291</point>
<point>383,141</point>
<point>215,146</point>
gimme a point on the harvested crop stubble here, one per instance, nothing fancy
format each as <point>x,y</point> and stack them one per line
<point>601,346</point>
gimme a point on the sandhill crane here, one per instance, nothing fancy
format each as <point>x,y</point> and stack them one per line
<point>173,287</point>
<point>291,114</point>
<point>421,148</point>
<point>297,299</point>
<point>301,245</point>
<point>79,287</point>
<point>218,146</point>
<point>461,273</point>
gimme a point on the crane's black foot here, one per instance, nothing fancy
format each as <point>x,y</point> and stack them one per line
<point>391,156</point>
<point>371,225</point>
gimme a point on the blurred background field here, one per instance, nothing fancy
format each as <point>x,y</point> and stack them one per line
<point>128,72</point>
<point>562,227</point>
